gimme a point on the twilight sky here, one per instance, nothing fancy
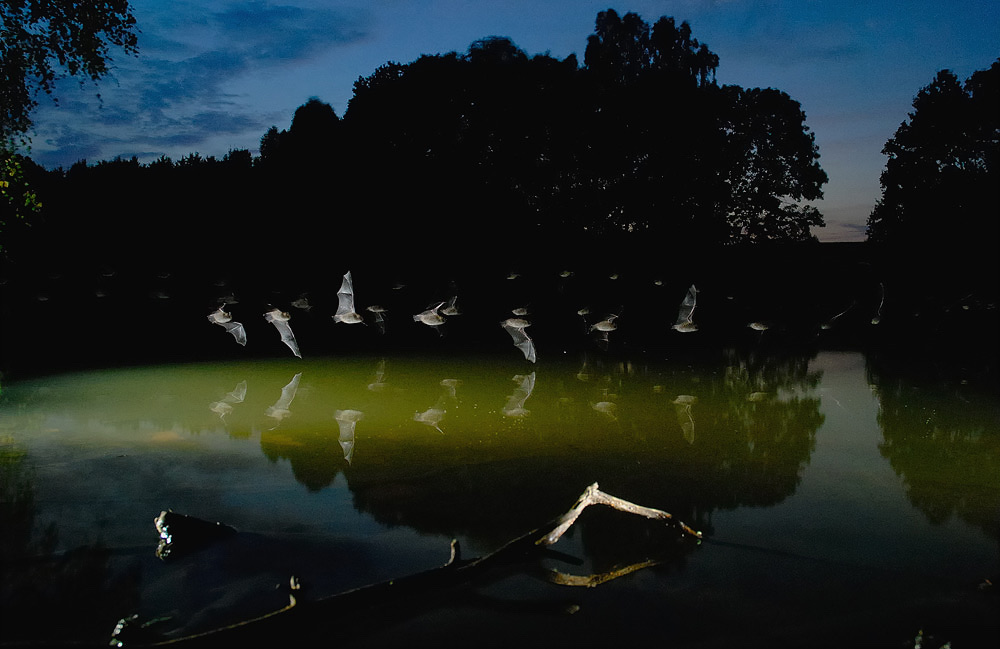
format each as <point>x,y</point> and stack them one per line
<point>214,75</point>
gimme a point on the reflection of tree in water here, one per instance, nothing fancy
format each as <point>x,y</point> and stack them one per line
<point>48,598</point>
<point>755,425</point>
<point>773,424</point>
<point>315,455</point>
<point>933,430</point>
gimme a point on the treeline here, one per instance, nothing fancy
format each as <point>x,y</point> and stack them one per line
<point>464,167</point>
<point>487,153</point>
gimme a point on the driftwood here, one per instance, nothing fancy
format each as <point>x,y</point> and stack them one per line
<point>180,534</point>
<point>413,588</point>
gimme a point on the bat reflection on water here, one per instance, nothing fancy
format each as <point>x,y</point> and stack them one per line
<point>280,410</point>
<point>347,420</point>
<point>515,402</point>
<point>224,407</point>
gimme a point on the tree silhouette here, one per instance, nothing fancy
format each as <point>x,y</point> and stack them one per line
<point>940,179</point>
<point>40,37</point>
<point>640,142</point>
<point>770,167</point>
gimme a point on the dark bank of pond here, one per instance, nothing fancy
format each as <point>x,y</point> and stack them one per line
<point>842,501</point>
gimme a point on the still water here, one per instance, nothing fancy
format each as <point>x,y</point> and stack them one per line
<point>840,504</point>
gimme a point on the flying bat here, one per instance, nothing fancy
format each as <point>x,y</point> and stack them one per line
<point>829,323</point>
<point>431,317</point>
<point>603,328</point>
<point>225,320</point>
<point>452,308</point>
<point>878,312</point>
<point>379,313</point>
<point>515,327</point>
<point>280,319</point>
<point>685,315</point>
<point>345,297</point>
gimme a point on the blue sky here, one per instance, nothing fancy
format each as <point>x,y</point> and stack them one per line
<point>214,75</point>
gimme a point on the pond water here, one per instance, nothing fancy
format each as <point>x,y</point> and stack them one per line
<point>841,503</point>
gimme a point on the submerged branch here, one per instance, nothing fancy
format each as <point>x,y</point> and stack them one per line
<point>411,589</point>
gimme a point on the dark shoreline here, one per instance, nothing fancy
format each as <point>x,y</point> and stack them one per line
<point>76,315</point>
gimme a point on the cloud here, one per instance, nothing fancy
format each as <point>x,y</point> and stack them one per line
<point>178,91</point>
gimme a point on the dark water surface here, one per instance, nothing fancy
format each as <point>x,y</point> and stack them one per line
<point>841,504</point>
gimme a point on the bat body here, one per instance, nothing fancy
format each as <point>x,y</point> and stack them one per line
<point>685,314</point>
<point>280,319</point>
<point>225,320</point>
<point>345,298</point>
<point>452,308</point>
<point>603,328</point>
<point>515,327</point>
<point>431,317</point>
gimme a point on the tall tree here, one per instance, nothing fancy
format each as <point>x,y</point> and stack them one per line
<point>41,41</point>
<point>940,179</point>
<point>769,167</point>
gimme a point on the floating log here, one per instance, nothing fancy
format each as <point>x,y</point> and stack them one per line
<point>414,588</point>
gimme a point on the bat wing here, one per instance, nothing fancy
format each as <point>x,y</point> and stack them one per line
<point>238,331</point>
<point>528,348</point>
<point>686,311</point>
<point>345,295</point>
<point>287,337</point>
<point>522,341</point>
<point>517,333</point>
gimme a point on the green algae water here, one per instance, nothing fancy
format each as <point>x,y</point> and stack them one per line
<point>840,504</point>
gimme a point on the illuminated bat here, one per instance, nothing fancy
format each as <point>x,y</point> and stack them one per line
<point>431,317</point>
<point>603,328</point>
<point>345,297</point>
<point>379,314</point>
<point>685,315</point>
<point>280,320</point>
<point>225,320</point>
<point>515,327</point>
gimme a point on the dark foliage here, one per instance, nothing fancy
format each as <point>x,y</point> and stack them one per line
<point>937,224</point>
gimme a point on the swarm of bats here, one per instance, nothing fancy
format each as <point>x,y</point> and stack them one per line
<point>438,313</point>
